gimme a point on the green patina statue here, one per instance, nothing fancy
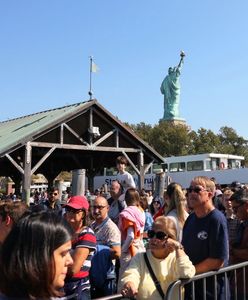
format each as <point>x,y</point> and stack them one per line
<point>170,88</point>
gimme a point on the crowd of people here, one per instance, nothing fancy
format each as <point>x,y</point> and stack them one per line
<point>129,242</point>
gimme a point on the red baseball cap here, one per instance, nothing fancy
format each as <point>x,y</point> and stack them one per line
<point>78,202</point>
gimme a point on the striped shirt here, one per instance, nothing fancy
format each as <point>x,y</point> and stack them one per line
<point>86,239</point>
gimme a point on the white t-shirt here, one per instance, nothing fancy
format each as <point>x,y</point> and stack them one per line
<point>126,180</point>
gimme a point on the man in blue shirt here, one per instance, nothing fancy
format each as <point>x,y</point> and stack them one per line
<point>205,237</point>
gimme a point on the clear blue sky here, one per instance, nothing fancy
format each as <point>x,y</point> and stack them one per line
<point>46,44</point>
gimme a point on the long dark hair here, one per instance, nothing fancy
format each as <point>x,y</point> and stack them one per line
<point>26,259</point>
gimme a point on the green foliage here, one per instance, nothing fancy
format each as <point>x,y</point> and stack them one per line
<point>232,143</point>
<point>206,142</point>
<point>169,139</point>
<point>142,130</point>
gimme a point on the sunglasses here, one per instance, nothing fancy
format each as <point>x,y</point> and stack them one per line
<point>53,194</point>
<point>160,235</point>
<point>70,210</point>
<point>196,189</point>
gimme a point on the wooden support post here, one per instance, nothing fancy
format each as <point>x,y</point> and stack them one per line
<point>78,182</point>
<point>27,173</point>
<point>142,171</point>
<point>160,184</point>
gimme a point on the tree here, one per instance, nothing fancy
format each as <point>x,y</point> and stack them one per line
<point>170,139</point>
<point>206,141</point>
<point>142,130</point>
<point>232,143</point>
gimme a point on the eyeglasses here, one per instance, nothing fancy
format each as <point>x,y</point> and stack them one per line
<point>235,208</point>
<point>156,202</point>
<point>100,207</point>
<point>70,210</point>
<point>53,194</point>
<point>197,189</point>
<point>160,235</point>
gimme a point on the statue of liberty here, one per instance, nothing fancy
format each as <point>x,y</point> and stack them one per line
<point>170,88</point>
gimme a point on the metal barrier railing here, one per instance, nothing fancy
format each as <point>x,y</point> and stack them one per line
<point>70,297</point>
<point>176,287</point>
<point>116,296</point>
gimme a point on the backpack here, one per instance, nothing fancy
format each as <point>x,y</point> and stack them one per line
<point>105,280</point>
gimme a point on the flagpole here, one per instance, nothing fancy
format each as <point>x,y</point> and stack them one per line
<point>90,90</point>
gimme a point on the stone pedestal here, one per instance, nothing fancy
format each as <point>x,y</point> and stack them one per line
<point>176,122</point>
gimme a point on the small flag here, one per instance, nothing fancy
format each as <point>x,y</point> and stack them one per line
<point>94,68</point>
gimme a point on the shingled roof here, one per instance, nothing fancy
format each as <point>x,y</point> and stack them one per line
<point>62,139</point>
<point>16,132</point>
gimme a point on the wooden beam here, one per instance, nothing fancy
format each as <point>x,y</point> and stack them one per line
<point>40,162</point>
<point>142,170</point>
<point>90,125</point>
<point>117,138</point>
<point>148,166</point>
<point>62,134</point>
<point>103,138</point>
<point>80,147</point>
<point>19,168</point>
<point>75,134</point>
<point>27,173</point>
<point>131,163</point>
<point>119,129</point>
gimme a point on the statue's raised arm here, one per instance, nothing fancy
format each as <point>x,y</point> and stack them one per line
<point>180,65</point>
<point>170,88</point>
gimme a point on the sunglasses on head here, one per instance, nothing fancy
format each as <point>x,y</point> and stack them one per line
<point>71,210</point>
<point>197,189</point>
<point>160,235</point>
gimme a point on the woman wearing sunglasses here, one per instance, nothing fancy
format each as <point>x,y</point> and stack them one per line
<point>155,206</point>
<point>167,258</point>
